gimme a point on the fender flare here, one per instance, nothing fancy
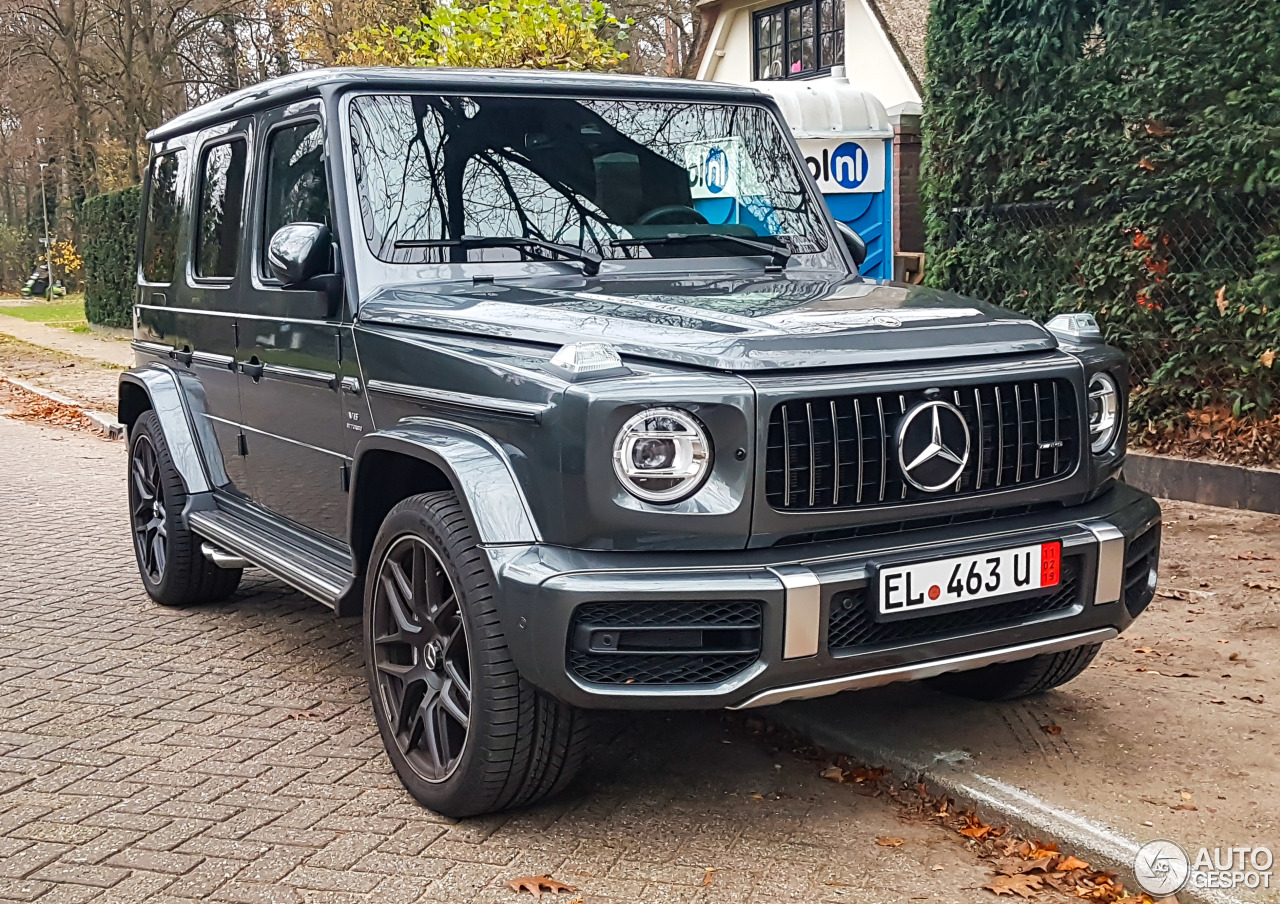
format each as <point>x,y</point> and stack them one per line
<point>478,469</point>
<point>160,385</point>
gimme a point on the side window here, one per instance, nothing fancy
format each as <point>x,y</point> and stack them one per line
<point>160,231</point>
<point>297,190</point>
<point>221,208</point>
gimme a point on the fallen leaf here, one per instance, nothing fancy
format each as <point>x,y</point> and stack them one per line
<point>890,842</point>
<point>1144,650</point>
<point>1187,795</point>
<point>1192,807</point>
<point>1157,129</point>
<point>1023,885</point>
<point>1262,585</point>
<point>710,871</point>
<point>536,885</point>
<point>1221,297</point>
<point>1221,702</point>
<point>1267,358</point>
<point>1147,165</point>
<point>975,828</point>
<point>1257,699</point>
<point>1069,863</point>
<point>833,773</point>
<point>1051,729</point>
<point>1038,851</point>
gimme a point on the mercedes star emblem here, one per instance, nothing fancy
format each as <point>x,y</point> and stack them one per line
<point>933,446</point>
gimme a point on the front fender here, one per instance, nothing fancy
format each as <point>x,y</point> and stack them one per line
<point>155,387</point>
<point>475,466</point>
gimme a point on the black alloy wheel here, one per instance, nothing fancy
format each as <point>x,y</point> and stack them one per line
<point>422,657</point>
<point>146,498</point>
<point>464,731</point>
<point>174,571</point>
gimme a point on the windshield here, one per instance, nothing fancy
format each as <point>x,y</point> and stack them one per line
<point>596,175</point>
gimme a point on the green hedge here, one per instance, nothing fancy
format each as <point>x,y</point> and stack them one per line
<point>109,240</point>
<point>1120,157</point>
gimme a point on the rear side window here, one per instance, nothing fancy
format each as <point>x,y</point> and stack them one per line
<point>160,232</point>
<point>221,208</point>
<point>297,190</point>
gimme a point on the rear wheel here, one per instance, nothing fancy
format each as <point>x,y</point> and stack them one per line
<point>1024,678</point>
<point>173,570</point>
<point>466,734</point>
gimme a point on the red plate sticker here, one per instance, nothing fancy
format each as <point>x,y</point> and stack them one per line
<point>1050,564</point>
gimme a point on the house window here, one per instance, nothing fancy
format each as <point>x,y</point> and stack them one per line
<point>799,40</point>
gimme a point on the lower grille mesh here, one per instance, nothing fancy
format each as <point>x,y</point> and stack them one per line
<point>737,620</point>
<point>851,624</point>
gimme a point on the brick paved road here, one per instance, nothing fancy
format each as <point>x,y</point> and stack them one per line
<point>228,753</point>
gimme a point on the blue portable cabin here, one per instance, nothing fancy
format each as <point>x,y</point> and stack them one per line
<point>847,141</point>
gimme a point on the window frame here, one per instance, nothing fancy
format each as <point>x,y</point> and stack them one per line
<point>262,184</point>
<point>180,196</point>
<point>782,11</point>
<point>197,213</point>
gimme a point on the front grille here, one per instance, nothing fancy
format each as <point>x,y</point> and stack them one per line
<point>840,452</point>
<point>851,624</point>
<point>664,643</point>
<point>1140,562</point>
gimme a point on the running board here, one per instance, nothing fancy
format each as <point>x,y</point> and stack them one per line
<point>319,570</point>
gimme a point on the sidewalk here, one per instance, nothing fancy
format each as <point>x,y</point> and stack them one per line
<point>94,347</point>
<point>82,367</point>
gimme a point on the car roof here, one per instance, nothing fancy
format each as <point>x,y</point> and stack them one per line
<point>315,82</point>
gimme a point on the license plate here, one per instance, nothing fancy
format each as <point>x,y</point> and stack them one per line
<point>967,579</point>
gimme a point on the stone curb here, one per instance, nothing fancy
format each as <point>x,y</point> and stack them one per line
<point>1207,482</point>
<point>1001,803</point>
<point>107,423</point>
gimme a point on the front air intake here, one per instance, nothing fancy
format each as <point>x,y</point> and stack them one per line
<point>664,643</point>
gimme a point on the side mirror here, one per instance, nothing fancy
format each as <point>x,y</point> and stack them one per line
<point>857,247</point>
<point>299,252</point>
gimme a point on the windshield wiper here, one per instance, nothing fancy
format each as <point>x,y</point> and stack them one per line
<point>779,254</point>
<point>589,260</point>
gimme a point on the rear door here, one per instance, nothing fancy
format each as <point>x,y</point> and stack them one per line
<point>188,280</point>
<point>290,356</point>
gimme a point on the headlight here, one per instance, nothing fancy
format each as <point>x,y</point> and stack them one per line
<point>1104,412</point>
<point>662,455</point>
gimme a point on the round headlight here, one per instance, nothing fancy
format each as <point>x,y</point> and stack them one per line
<point>1104,412</point>
<point>662,455</point>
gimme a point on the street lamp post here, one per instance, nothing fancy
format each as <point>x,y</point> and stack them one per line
<point>48,247</point>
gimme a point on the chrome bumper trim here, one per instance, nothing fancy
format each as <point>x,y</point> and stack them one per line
<point>917,671</point>
<point>1110,585</point>
<point>803,620</point>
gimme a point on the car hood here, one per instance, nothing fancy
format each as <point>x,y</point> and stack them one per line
<point>728,324</point>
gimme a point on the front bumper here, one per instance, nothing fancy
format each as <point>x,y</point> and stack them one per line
<point>817,632</point>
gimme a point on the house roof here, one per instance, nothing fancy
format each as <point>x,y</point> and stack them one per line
<point>905,22</point>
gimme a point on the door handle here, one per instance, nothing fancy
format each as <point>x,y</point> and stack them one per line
<point>252,368</point>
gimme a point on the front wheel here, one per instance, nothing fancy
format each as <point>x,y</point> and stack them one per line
<point>466,734</point>
<point>1024,678</point>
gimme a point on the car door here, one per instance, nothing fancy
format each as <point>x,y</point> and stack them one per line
<point>290,354</point>
<point>189,280</point>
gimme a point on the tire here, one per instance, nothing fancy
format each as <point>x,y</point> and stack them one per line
<point>173,570</point>
<point>435,651</point>
<point>1024,678</point>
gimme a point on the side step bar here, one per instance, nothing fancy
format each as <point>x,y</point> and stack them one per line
<point>320,573</point>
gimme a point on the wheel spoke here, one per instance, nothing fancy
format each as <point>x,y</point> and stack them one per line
<point>391,588</point>
<point>157,546</point>
<point>142,486</point>
<point>433,739</point>
<point>460,682</point>
<point>461,713</point>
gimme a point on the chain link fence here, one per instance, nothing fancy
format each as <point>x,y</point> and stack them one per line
<point>1188,284</point>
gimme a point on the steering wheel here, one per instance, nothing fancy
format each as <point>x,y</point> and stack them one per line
<point>667,215</point>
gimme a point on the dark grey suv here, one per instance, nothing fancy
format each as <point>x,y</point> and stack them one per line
<point>568,385</point>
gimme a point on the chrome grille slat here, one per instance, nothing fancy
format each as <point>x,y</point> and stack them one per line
<point>857,420</point>
<point>809,469</point>
<point>835,444</point>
